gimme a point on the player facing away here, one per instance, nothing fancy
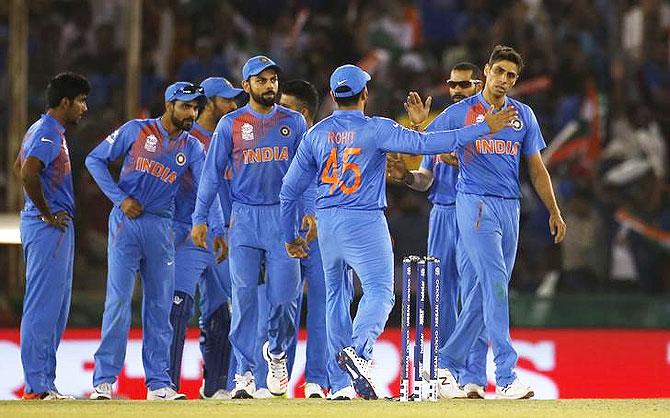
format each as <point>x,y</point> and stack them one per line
<point>487,215</point>
<point>347,151</point>
<point>47,232</point>
<point>204,269</point>
<point>258,141</point>
<point>438,173</point>
<point>156,154</point>
<point>301,96</point>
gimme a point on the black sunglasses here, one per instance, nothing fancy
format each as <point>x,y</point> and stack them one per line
<point>191,89</point>
<point>464,84</point>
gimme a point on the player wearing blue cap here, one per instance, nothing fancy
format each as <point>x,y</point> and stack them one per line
<point>439,174</point>
<point>487,214</point>
<point>348,152</point>
<point>258,141</point>
<point>204,269</point>
<point>47,233</point>
<point>156,154</point>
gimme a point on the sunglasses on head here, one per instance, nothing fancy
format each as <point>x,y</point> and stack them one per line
<point>191,89</point>
<point>464,84</point>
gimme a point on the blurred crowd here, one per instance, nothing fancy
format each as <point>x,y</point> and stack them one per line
<point>597,76</point>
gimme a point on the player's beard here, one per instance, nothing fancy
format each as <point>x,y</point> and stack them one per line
<point>267,99</point>
<point>458,97</point>
<point>182,124</point>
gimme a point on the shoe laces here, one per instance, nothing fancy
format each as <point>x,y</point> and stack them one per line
<point>278,368</point>
<point>242,379</point>
<point>104,387</point>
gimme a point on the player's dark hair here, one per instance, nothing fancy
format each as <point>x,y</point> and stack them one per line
<point>349,101</point>
<point>506,53</point>
<point>468,66</point>
<point>66,85</point>
<point>304,92</point>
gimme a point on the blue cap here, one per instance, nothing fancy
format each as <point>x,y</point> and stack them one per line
<point>184,91</point>
<point>219,87</point>
<point>257,65</point>
<point>348,80</point>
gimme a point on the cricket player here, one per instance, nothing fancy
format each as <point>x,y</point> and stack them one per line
<point>487,215</point>
<point>302,97</point>
<point>258,141</point>
<point>348,152</point>
<point>47,232</point>
<point>203,268</point>
<point>156,154</point>
<point>439,174</point>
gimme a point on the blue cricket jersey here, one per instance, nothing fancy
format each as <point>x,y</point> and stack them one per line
<point>443,189</point>
<point>153,165</point>
<point>186,194</point>
<point>258,148</point>
<point>347,151</point>
<point>489,166</point>
<point>45,140</point>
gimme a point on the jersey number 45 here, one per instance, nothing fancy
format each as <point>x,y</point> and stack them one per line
<point>333,176</point>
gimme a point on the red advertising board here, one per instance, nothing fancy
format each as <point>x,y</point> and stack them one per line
<point>558,363</point>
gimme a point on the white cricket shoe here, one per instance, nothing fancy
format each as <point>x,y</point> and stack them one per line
<point>263,393</point>
<point>165,394</point>
<point>245,386</point>
<point>474,391</point>
<point>219,395</point>
<point>54,395</point>
<point>360,371</point>
<point>277,379</point>
<point>345,394</point>
<point>313,391</point>
<point>515,390</point>
<point>448,386</point>
<point>102,392</point>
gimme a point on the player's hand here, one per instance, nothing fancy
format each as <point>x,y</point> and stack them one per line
<point>557,226</point>
<point>309,223</point>
<point>450,159</point>
<point>58,220</point>
<point>220,248</point>
<point>297,248</point>
<point>199,235</point>
<point>131,207</point>
<point>500,120</point>
<point>417,111</point>
<point>396,167</point>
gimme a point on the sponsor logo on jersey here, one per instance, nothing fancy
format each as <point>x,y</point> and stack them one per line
<point>247,131</point>
<point>285,131</point>
<point>265,154</point>
<point>180,159</point>
<point>496,146</point>
<point>150,143</point>
<point>479,118</point>
<point>516,124</point>
<point>156,169</point>
<point>112,137</point>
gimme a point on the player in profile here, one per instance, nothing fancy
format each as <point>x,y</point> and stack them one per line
<point>348,152</point>
<point>487,214</point>
<point>438,173</point>
<point>156,154</point>
<point>47,232</point>
<point>200,268</point>
<point>258,141</point>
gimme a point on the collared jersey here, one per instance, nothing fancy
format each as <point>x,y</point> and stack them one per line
<point>45,140</point>
<point>489,166</point>
<point>347,153</point>
<point>258,148</point>
<point>153,165</point>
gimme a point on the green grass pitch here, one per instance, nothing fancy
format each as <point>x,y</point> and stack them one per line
<point>278,408</point>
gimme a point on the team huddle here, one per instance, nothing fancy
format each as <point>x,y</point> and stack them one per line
<point>247,207</point>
